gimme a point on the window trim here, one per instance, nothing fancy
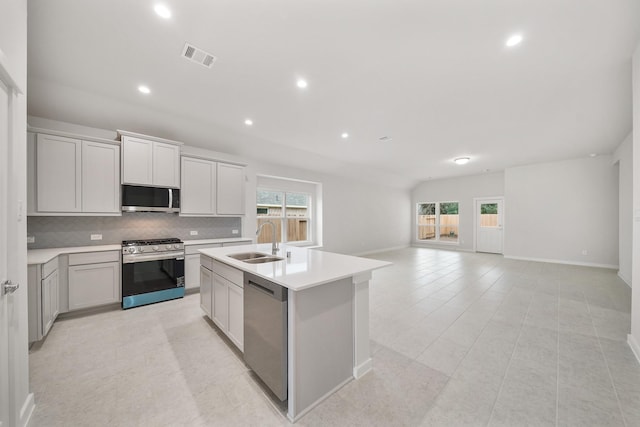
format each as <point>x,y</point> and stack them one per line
<point>436,225</point>
<point>284,219</point>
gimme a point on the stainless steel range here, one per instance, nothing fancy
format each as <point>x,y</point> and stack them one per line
<point>152,271</point>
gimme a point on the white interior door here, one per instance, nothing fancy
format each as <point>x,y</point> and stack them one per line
<point>5,299</point>
<point>488,225</point>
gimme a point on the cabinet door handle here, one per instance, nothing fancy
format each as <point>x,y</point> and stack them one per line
<point>8,287</point>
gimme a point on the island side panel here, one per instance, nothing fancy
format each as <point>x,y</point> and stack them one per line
<point>362,362</point>
<point>321,343</point>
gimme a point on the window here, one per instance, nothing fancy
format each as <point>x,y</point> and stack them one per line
<point>290,213</point>
<point>438,221</point>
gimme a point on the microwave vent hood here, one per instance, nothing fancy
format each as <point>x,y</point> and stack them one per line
<point>137,198</point>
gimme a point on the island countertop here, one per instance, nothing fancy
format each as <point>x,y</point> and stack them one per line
<point>305,268</point>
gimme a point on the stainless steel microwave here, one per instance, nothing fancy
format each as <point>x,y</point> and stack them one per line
<point>150,199</point>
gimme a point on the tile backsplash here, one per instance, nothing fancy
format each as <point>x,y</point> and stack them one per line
<point>66,231</point>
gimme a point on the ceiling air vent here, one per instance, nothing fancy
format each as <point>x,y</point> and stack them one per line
<point>384,138</point>
<point>198,56</point>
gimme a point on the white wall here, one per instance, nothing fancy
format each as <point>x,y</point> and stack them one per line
<point>13,49</point>
<point>634,337</point>
<point>462,190</point>
<point>623,156</point>
<point>556,210</point>
<point>358,217</point>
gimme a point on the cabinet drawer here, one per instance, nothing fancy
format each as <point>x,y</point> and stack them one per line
<point>94,257</point>
<point>206,262</point>
<point>232,274</point>
<point>49,267</point>
<point>193,249</point>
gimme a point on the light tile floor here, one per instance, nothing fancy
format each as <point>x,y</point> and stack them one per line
<point>458,339</point>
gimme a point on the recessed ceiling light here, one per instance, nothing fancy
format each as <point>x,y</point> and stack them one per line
<point>162,11</point>
<point>514,40</point>
<point>461,160</point>
<point>248,122</point>
<point>302,83</point>
<point>344,135</point>
<point>144,89</point>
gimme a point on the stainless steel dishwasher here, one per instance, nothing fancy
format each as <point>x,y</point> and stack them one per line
<point>265,332</point>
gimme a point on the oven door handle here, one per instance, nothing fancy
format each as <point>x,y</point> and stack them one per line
<point>131,259</point>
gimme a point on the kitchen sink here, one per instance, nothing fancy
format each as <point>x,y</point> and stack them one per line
<point>248,255</point>
<point>262,260</point>
<point>254,257</point>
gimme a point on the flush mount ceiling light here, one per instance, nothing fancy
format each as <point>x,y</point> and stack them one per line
<point>144,89</point>
<point>461,160</point>
<point>302,83</point>
<point>162,11</point>
<point>514,40</point>
<point>344,135</point>
<point>248,122</point>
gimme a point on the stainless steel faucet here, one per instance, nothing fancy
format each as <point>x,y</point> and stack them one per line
<point>274,243</point>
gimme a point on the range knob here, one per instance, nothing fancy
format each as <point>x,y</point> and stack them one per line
<point>155,248</point>
<point>140,248</point>
<point>168,247</point>
<point>176,246</point>
<point>131,249</point>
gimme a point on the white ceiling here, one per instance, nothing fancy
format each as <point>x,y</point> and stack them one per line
<point>434,75</point>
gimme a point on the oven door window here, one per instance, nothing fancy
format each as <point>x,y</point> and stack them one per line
<point>149,276</point>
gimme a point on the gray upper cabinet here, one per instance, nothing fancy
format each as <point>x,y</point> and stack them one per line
<point>211,188</point>
<point>150,161</point>
<point>58,174</point>
<point>72,176</point>
<point>100,177</point>
<point>230,189</point>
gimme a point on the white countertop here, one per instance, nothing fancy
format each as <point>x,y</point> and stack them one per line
<point>212,241</point>
<point>306,267</point>
<point>40,256</point>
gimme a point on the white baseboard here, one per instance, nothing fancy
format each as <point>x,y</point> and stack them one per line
<point>560,261</point>
<point>377,251</point>
<point>624,279</point>
<point>363,368</point>
<point>634,346</point>
<point>26,411</point>
<point>317,402</point>
<point>441,246</point>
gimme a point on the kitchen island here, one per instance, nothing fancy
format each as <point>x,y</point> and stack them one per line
<point>327,314</point>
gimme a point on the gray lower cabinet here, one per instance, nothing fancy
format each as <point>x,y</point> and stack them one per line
<point>221,298</point>
<point>43,297</point>
<point>94,279</point>
<point>206,291</point>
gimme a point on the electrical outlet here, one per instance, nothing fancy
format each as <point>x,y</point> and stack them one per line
<point>235,231</point>
<point>96,237</point>
<point>193,233</point>
<point>31,239</point>
<point>584,252</point>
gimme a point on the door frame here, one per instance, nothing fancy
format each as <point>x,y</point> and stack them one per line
<point>476,202</point>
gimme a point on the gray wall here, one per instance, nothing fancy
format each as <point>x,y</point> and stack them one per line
<point>624,158</point>
<point>462,190</point>
<point>556,210</point>
<point>66,231</point>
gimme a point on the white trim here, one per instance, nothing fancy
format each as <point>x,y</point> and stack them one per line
<point>378,251</point>
<point>560,261</point>
<point>441,246</point>
<point>633,344</point>
<point>317,402</point>
<point>6,73</point>
<point>475,219</point>
<point>72,135</point>
<point>26,412</point>
<point>363,368</point>
<point>624,279</point>
<point>122,133</point>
